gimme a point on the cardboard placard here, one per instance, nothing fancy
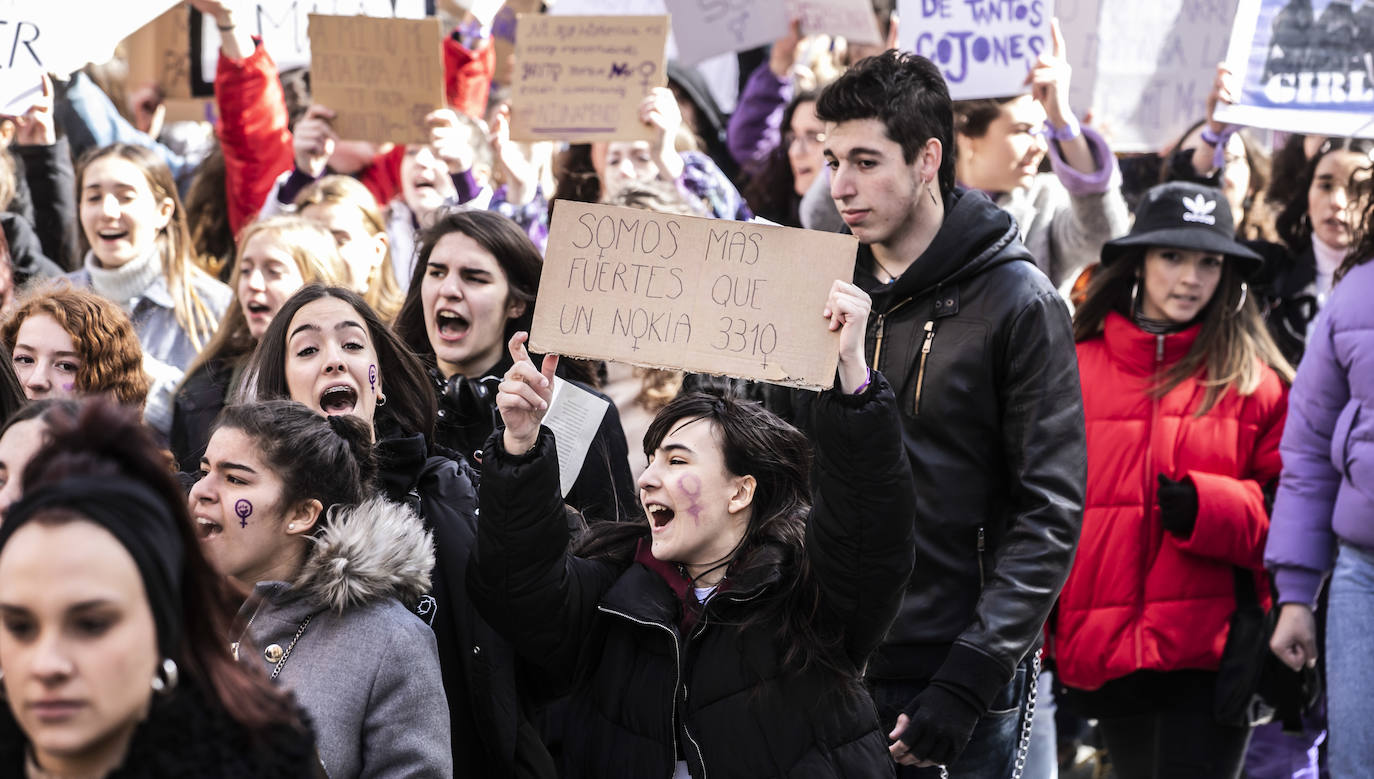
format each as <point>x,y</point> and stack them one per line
<point>581,78</point>
<point>282,26</point>
<point>852,20</point>
<point>1143,69</point>
<point>705,28</point>
<point>703,295</point>
<point>380,76</point>
<point>56,37</point>
<point>1303,67</point>
<point>159,53</point>
<point>984,48</point>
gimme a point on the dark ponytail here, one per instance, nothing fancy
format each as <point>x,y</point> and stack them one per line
<point>328,459</point>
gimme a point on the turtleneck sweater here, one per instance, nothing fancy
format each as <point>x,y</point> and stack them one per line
<point>127,283</point>
<point>1329,259</point>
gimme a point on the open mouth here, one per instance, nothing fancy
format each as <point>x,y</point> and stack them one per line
<point>451,326</point>
<point>659,515</point>
<point>339,400</point>
<point>113,235</point>
<point>206,528</point>
<point>259,308</point>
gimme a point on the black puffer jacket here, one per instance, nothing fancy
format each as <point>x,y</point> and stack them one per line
<point>488,720</point>
<point>716,692</point>
<point>186,736</point>
<point>197,404</point>
<point>980,349</point>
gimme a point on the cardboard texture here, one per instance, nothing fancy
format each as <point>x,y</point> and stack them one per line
<point>380,76</point>
<point>702,295</point>
<point>705,28</point>
<point>503,36</point>
<point>984,49</point>
<point>159,53</point>
<point>581,78</point>
<point>852,20</point>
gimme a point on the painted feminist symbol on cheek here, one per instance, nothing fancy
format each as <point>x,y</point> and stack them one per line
<point>68,387</point>
<point>372,377</point>
<point>244,510</point>
<point>690,486</point>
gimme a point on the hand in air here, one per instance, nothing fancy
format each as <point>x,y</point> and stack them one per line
<point>524,395</point>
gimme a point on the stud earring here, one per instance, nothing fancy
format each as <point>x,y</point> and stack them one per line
<point>291,526</point>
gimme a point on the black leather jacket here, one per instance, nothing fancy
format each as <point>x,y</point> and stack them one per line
<point>979,347</point>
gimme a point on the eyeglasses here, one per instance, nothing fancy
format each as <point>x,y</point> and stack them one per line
<point>805,139</point>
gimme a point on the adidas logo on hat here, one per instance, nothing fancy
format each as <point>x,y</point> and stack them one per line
<point>1199,210</point>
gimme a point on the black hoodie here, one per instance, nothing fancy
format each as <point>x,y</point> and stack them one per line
<point>978,346</point>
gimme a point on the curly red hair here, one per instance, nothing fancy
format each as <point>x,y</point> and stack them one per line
<point>111,356</point>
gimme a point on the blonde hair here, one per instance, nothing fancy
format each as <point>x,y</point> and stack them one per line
<point>193,316</point>
<point>316,255</point>
<point>383,293</point>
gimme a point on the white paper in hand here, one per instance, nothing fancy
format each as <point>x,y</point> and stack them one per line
<point>574,416</point>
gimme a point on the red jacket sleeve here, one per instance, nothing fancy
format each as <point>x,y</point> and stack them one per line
<point>467,76</point>
<point>253,131</point>
<point>1232,521</point>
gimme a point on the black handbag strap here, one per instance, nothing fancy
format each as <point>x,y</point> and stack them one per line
<point>1245,587</point>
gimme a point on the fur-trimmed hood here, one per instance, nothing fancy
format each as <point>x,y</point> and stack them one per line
<point>365,553</point>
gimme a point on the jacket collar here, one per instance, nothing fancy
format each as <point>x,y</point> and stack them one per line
<point>657,591</point>
<point>1138,351</point>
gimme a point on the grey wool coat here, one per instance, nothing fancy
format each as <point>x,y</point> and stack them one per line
<point>365,668</point>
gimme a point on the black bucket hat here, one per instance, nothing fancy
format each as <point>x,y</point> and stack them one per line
<point>1185,216</point>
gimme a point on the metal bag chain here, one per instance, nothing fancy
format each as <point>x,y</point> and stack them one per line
<point>1024,747</point>
<point>287,654</point>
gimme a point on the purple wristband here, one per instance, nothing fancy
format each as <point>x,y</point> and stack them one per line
<point>864,386</point>
<point>1063,134</point>
<point>1218,141</point>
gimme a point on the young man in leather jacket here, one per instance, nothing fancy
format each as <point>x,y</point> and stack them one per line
<point>979,348</point>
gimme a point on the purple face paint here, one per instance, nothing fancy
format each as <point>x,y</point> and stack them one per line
<point>244,510</point>
<point>372,377</point>
<point>690,486</point>
<point>67,387</point>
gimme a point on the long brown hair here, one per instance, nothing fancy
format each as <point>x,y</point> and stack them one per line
<point>111,356</point>
<point>1362,247</point>
<point>1229,351</point>
<point>173,241</point>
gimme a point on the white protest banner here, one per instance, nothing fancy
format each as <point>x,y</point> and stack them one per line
<point>1304,66</point>
<point>705,28</point>
<point>581,78</point>
<point>852,20</point>
<point>1144,69</point>
<point>985,48</point>
<point>283,26</point>
<point>703,295</point>
<point>59,37</point>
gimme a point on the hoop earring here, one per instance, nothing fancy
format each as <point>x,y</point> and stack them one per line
<point>165,680</point>
<point>1135,296</point>
<point>381,399</point>
<point>1244,291</point>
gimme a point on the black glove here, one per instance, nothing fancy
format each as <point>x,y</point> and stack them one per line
<point>1177,505</point>
<point>941,722</point>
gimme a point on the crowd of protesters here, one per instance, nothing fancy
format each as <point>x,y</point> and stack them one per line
<point>1091,489</point>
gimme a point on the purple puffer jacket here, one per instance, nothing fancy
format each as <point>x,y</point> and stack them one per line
<point>1326,492</point>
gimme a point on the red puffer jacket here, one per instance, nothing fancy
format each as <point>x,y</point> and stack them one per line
<point>1138,597</point>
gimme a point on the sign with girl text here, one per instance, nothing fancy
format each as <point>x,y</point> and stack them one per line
<point>1304,66</point>
<point>984,48</point>
<point>704,295</point>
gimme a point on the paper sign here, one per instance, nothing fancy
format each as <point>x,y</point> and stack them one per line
<point>574,416</point>
<point>984,48</point>
<point>705,28</point>
<point>1304,67</point>
<point>380,76</point>
<point>702,295</point>
<point>282,25</point>
<point>581,79</point>
<point>59,37</point>
<point>852,20</point>
<point>1144,69</point>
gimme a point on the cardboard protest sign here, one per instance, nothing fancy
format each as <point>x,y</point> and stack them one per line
<point>985,48</point>
<point>705,28</point>
<point>581,78</point>
<point>380,76</point>
<point>1304,66</point>
<point>1143,69</point>
<point>703,295</point>
<point>59,37</point>
<point>503,35</point>
<point>852,20</point>
<point>282,26</point>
